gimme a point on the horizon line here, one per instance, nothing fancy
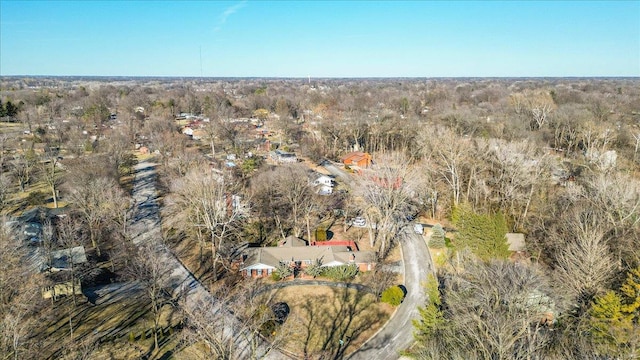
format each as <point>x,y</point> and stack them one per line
<point>329,77</point>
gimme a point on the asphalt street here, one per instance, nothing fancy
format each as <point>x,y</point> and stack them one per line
<point>397,334</point>
<point>146,228</point>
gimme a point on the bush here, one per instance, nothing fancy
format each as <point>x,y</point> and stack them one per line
<point>321,234</point>
<point>393,296</point>
<point>341,273</point>
<point>314,270</point>
<point>437,239</point>
<point>282,272</point>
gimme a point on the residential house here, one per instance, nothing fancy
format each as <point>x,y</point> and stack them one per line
<point>324,180</point>
<point>64,259</point>
<point>294,252</point>
<point>322,183</point>
<point>359,159</point>
<point>283,156</point>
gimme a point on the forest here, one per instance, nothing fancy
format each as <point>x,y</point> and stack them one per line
<point>196,164</point>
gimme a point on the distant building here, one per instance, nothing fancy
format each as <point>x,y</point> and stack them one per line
<point>360,159</point>
<point>283,156</point>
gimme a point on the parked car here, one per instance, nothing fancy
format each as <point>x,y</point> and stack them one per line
<point>359,221</point>
<point>418,228</point>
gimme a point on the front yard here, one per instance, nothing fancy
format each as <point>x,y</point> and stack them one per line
<point>322,316</point>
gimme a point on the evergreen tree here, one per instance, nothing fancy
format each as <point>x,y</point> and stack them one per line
<point>483,234</point>
<point>614,320</point>
<point>431,317</point>
<point>611,325</point>
<point>10,109</point>
<point>631,291</point>
<point>437,239</point>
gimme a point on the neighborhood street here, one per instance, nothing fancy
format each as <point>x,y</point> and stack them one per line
<point>145,227</point>
<point>397,335</point>
<point>386,344</point>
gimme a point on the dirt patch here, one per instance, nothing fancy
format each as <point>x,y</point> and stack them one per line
<point>326,320</point>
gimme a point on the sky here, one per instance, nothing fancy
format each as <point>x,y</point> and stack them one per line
<point>320,38</point>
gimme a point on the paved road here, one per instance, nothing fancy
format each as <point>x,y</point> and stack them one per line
<point>336,171</point>
<point>397,335</point>
<point>145,227</point>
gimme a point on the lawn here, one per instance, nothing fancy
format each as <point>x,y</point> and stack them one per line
<point>322,316</point>
<point>116,326</point>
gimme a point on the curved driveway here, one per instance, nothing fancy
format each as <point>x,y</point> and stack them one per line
<point>397,334</point>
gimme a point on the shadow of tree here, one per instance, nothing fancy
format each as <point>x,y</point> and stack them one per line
<point>333,323</point>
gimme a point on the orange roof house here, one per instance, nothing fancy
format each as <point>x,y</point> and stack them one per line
<point>357,158</point>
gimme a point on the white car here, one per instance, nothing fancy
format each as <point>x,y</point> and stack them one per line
<point>359,221</point>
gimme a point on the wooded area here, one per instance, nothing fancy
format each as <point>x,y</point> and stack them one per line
<point>554,159</point>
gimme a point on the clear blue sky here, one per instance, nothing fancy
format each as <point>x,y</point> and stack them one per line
<point>320,39</point>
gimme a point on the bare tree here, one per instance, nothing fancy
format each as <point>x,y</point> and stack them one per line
<point>23,164</point>
<point>69,235</point>
<point>585,263</point>
<point>5,191</point>
<point>428,189</point>
<point>18,296</point>
<point>238,324</point>
<point>204,198</point>
<point>284,195</point>
<point>95,199</point>
<point>386,192</point>
<point>493,311</point>
<point>451,154</point>
<point>151,269</point>
<point>49,171</point>
<point>517,172</point>
<point>293,185</point>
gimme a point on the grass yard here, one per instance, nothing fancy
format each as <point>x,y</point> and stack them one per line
<point>321,316</point>
<point>117,326</point>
